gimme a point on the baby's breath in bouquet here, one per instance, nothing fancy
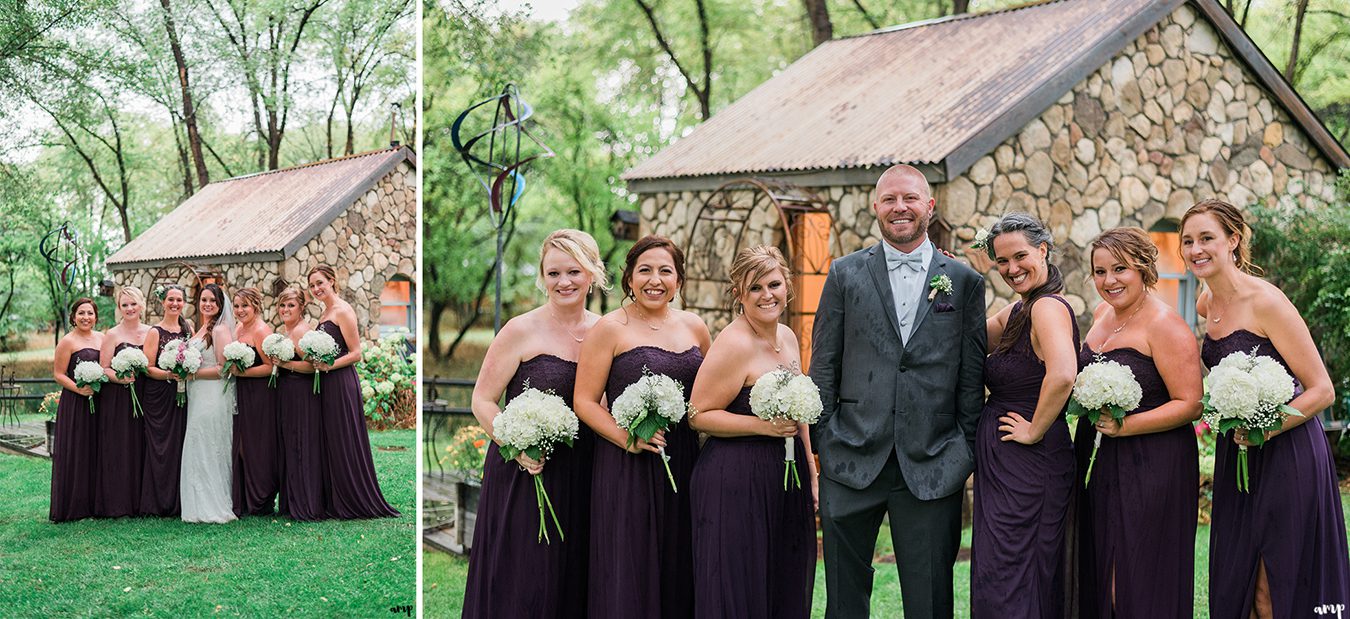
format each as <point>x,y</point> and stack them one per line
<point>533,423</point>
<point>653,403</point>
<point>1248,393</point>
<point>786,394</point>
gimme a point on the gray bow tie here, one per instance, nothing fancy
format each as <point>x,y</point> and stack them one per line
<point>914,261</point>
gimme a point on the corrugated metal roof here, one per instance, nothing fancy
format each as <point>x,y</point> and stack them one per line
<point>269,213</point>
<point>911,94</point>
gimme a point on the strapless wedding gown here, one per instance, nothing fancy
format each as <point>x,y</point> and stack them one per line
<point>205,481</point>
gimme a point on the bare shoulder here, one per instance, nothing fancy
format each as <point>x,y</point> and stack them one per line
<point>1100,310</point>
<point>691,320</point>
<point>788,334</point>
<point>1050,309</point>
<point>1202,302</point>
<point>734,340</point>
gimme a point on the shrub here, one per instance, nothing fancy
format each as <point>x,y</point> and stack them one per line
<point>464,455</point>
<point>389,383</point>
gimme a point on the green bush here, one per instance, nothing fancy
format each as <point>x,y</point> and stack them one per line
<point>388,383</point>
<point>1306,252</point>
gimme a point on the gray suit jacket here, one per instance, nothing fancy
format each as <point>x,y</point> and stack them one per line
<point>920,399</point>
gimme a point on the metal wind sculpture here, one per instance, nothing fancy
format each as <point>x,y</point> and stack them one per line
<point>499,169</point>
<point>62,254</point>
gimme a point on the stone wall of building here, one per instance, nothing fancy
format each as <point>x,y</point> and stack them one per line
<point>371,242</point>
<point>1174,118</point>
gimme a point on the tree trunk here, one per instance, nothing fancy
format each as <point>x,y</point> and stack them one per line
<point>1289,69</point>
<point>818,13</point>
<point>434,328</point>
<point>960,6</point>
<point>702,94</point>
<point>189,112</point>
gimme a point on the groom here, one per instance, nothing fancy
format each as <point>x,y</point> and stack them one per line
<point>898,354</point>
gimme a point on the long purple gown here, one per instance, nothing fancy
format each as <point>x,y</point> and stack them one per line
<point>353,490</point>
<point>121,447</point>
<point>1138,513</point>
<point>754,542</point>
<point>1022,494</point>
<point>165,424</point>
<point>75,462</point>
<point>256,451</point>
<point>1292,518</point>
<point>300,416</point>
<point>505,537</point>
<point>642,563</point>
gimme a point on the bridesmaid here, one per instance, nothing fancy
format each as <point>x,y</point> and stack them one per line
<point>353,491</point>
<point>539,347</point>
<point>1280,550</point>
<point>1024,466</point>
<point>75,462</point>
<point>256,477</point>
<point>120,428</point>
<point>1139,509</point>
<point>642,564</point>
<point>165,421</point>
<point>754,541</point>
<point>300,419</point>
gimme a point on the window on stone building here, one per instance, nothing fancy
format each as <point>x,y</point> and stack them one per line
<point>396,305</point>
<point>1176,285</point>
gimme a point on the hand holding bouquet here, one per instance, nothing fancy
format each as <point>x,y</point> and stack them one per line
<point>784,394</point>
<point>126,364</point>
<point>89,374</point>
<point>1104,387</point>
<point>279,347</point>
<point>653,403</point>
<point>533,423</point>
<point>1248,393</point>
<point>318,347</point>
<point>182,360</point>
<point>237,355</point>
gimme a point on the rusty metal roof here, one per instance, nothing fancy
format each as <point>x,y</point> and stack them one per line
<point>942,92</point>
<point>263,216</point>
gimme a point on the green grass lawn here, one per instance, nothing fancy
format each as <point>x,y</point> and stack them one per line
<point>256,567</point>
<point>443,577</point>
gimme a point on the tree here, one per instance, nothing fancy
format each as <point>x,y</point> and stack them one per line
<point>189,112</point>
<point>818,14</point>
<point>702,92</point>
<point>357,45</point>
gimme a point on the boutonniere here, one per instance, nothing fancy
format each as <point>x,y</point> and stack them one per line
<point>981,239</point>
<point>160,292</point>
<point>939,283</point>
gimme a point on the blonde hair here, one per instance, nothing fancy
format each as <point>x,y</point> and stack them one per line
<point>133,292</point>
<point>752,263</point>
<point>1233,224</point>
<point>291,292</point>
<point>1131,246</point>
<point>582,248</point>
<point>252,296</point>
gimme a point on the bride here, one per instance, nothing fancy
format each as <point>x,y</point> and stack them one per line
<point>205,482</point>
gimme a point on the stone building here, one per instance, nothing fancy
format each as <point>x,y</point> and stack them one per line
<point>1087,113</point>
<point>357,214</point>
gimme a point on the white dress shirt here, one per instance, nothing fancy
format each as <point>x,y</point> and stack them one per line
<point>907,285</point>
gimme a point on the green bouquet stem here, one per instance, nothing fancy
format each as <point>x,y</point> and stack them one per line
<point>272,380</point>
<point>1244,478</point>
<point>1096,444</point>
<point>665,461</point>
<point>541,499</point>
<point>136,410</point>
<point>316,381</point>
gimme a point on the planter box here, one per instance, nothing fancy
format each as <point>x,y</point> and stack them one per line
<point>450,512</point>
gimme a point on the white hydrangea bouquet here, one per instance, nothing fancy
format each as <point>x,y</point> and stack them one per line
<point>182,360</point>
<point>653,403</point>
<point>1248,393</point>
<point>127,363</point>
<point>317,345</point>
<point>89,374</point>
<point>1104,387</point>
<point>533,423</point>
<point>786,394</point>
<point>278,347</point>
<point>237,355</point>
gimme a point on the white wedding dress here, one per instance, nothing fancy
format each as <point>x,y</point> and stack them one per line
<point>205,481</point>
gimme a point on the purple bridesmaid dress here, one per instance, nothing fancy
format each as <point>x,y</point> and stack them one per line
<point>1022,494</point>
<point>642,562</point>
<point>353,490</point>
<point>1292,518</point>
<point>256,451</point>
<point>511,574</point>
<point>121,447</point>
<point>75,463</point>
<point>165,424</point>
<point>754,542</point>
<point>1137,516</point>
<point>300,417</point>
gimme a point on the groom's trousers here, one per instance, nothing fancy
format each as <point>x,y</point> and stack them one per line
<point>926,536</point>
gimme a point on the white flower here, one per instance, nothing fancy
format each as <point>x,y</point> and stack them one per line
<point>1277,386</point>
<point>981,239</point>
<point>278,346</point>
<point>318,345</point>
<point>128,361</point>
<point>787,395</point>
<point>180,358</point>
<point>535,420</point>
<point>1233,394</point>
<point>88,373</point>
<point>652,394</point>
<point>367,391</point>
<point>239,353</point>
<point>1107,383</point>
<point>396,378</point>
<point>384,387</point>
